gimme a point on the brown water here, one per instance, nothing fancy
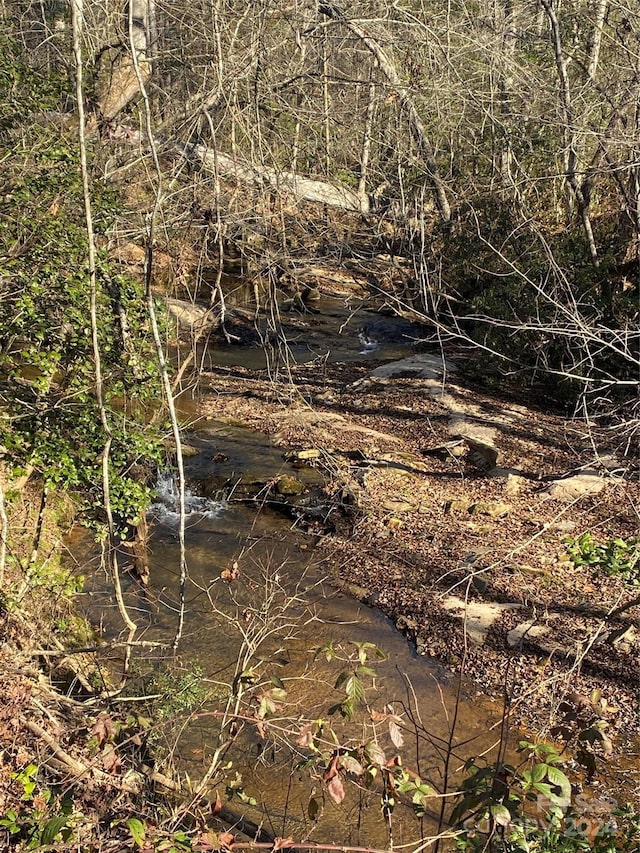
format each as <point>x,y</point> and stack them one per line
<point>251,568</point>
<point>277,585</point>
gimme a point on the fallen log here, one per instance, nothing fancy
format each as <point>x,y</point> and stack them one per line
<point>303,189</point>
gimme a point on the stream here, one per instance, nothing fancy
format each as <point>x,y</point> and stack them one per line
<point>253,570</point>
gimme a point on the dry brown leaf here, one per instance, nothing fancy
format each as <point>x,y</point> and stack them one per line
<point>216,805</point>
<point>206,841</point>
<point>231,573</point>
<point>394,732</point>
<point>331,778</point>
<point>103,729</point>
<point>225,840</point>
<point>335,789</point>
<point>305,738</point>
<point>110,759</point>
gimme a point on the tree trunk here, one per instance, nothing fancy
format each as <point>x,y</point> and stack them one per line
<point>302,188</point>
<point>572,176</point>
<point>418,129</point>
<point>596,38</point>
<point>124,83</point>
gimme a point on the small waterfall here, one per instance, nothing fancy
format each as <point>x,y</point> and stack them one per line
<point>166,506</point>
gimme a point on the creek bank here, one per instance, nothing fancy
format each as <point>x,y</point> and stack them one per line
<point>457,496</point>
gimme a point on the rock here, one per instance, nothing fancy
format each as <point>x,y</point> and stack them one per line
<point>190,315</point>
<point>446,452</point>
<point>493,509</point>
<point>524,630</point>
<point>624,639</point>
<point>478,616</point>
<point>459,505</point>
<point>512,478</point>
<point>398,504</point>
<point>288,485</point>
<point>568,489</point>
<point>423,366</point>
<point>312,453</point>
<point>483,456</point>
<point>188,451</point>
<point>490,508</point>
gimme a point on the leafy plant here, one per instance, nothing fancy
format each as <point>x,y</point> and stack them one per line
<point>371,759</point>
<point>504,807</point>
<point>350,680</point>
<point>44,815</point>
<point>50,421</point>
<point>617,557</point>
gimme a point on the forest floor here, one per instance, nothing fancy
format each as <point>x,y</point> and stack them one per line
<point>452,508</point>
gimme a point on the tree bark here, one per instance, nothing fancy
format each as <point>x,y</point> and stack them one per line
<point>596,38</point>
<point>418,130</point>
<point>124,81</point>
<point>572,176</point>
<point>302,188</point>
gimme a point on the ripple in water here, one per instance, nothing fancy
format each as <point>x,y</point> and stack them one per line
<point>166,506</point>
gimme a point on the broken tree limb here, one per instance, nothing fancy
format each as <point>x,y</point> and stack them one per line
<point>123,83</point>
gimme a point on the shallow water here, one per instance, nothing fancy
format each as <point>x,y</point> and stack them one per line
<point>273,563</point>
<point>253,571</point>
<point>333,330</point>
<point>244,549</point>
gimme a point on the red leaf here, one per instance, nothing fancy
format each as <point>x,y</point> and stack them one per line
<point>226,839</point>
<point>216,806</point>
<point>336,789</point>
<point>331,777</point>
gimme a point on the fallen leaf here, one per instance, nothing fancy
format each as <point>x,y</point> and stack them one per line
<point>216,805</point>
<point>206,841</point>
<point>110,759</point>
<point>225,840</point>
<point>103,729</point>
<point>230,573</point>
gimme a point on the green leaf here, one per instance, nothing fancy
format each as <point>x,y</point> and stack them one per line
<point>538,772</point>
<point>278,694</point>
<point>137,829</point>
<point>52,827</point>
<point>313,808</point>
<point>354,689</point>
<point>341,679</point>
<point>560,780</point>
<point>501,815</point>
